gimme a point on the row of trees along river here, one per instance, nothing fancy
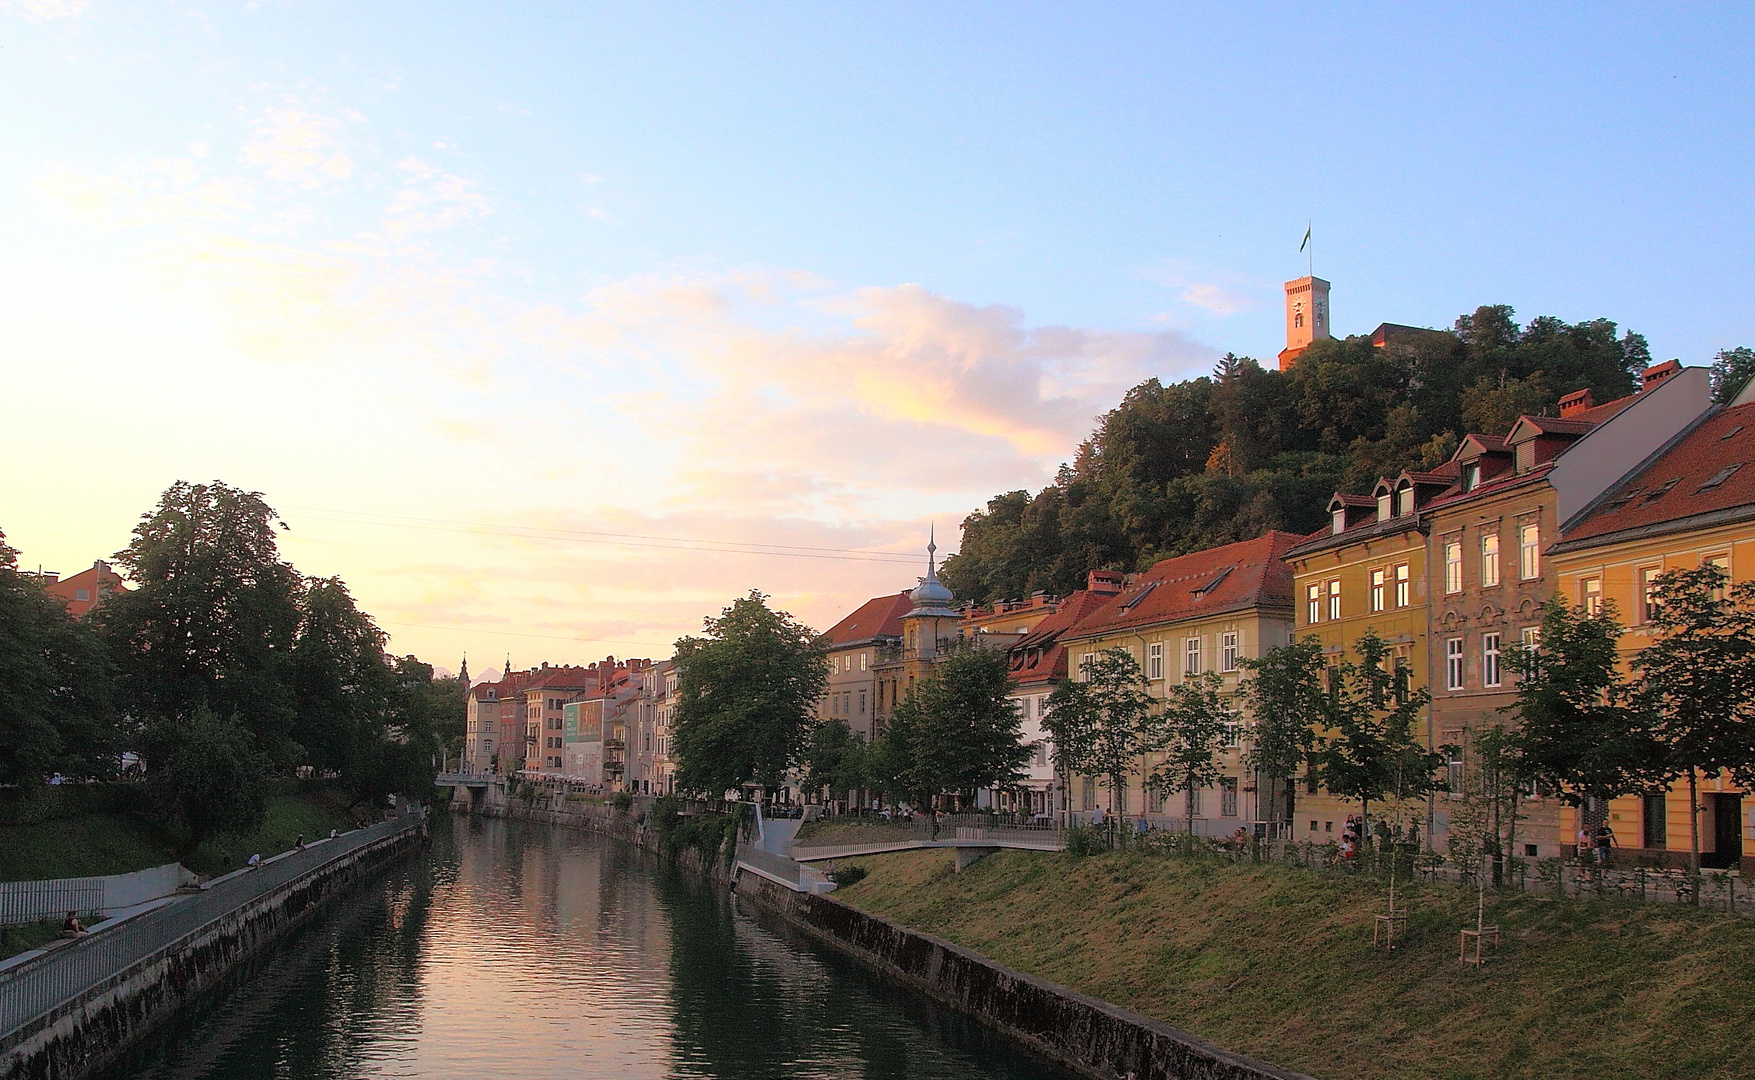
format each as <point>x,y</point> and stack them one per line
<point>221,666</point>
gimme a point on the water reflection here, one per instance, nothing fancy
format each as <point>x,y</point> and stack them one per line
<point>518,950</point>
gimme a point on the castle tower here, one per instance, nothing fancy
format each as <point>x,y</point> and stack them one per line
<point>1307,317</point>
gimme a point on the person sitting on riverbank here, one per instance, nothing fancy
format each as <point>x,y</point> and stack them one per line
<point>70,926</point>
<point>255,861</point>
<point>299,842</point>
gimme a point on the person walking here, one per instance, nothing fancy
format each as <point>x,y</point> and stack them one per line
<point>1605,839</point>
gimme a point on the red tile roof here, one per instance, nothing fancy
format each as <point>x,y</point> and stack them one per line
<point>1039,656</point>
<point>1251,573</point>
<point>1706,474</point>
<point>881,616</point>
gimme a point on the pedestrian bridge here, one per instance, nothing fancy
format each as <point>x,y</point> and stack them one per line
<point>969,843</point>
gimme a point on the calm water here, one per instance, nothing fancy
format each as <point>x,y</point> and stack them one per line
<point>516,950</point>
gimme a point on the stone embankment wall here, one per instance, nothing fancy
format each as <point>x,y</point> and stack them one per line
<point>591,817</point>
<point>1091,1036</point>
<point>90,1031</point>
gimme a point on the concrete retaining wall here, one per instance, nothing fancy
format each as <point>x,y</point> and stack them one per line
<point>88,1032</point>
<point>1091,1036</point>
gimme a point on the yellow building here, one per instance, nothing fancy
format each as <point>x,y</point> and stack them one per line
<point>1202,612</point>
<point>1693,504</point>
<point>1366,572</point>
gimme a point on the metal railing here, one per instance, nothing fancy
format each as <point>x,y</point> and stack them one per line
<point>28,901</point>
<point>70,969</point>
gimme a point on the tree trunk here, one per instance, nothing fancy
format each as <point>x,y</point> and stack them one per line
<point>1694,830</point>
<point>1188,801</point>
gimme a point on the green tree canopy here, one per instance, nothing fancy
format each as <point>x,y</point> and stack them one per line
<point>956,732</point>
<point>1371,753</point>
<point>835,760</point>
<point>746,698</point>
<point>1284,695</point>
<point>1195,719</point>
<point>1576,734</point>
<point>1103,721</point>
<point>57,714</point>
<point>1185,466</point>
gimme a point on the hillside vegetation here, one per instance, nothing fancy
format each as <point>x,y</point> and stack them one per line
<point>1277,963</point>
<point>1225,457</point>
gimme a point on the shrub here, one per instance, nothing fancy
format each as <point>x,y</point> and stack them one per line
<point>708,834</point>
<point>847,875</point>
<point>1083,840</point>
<point>621,801</point>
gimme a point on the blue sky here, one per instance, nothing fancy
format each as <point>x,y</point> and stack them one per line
<point>776,274</point>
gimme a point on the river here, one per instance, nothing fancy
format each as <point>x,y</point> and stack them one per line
<point>518,950</point>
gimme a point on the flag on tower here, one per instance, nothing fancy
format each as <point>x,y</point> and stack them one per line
<point>1306,239</point>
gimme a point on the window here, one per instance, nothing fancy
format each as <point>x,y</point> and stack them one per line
<point>1453,664</point>
<point>862,659</point>
<point>82,594</point>
<point>1717,478</point>
<point>1191,656</point>
<point>1471,476</point>
<point>1377,590</point>
<point>1590,595</point>
<point>1334,599</point>
<point>1155,660</point>
<point>1531,639</point>
<point>1041,755</point>
<point>1489,659</point>
<point>1231,735</point>
<point>1228,651</point>
<point>1313,603</point>
<point>1723,565</point>
<point>1453,761</point>
<point>1084,667</point>
<point>1383,508</point>
<point>1489,560</point>
<point>862,703</point>
<point>1529,551</point>
<point>1338,523</point>
<point>1648,605</point>
<point>1404,586</point>
<point>1227,796</point>
<point>1453,566</point>
<point>1154,800</point>
<point>1404,502</point>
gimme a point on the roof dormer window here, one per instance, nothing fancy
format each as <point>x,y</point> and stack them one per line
<point>1405,502</point>
<point>1471,476</point>
<point>1384,512</point>
<point>1340,521</point>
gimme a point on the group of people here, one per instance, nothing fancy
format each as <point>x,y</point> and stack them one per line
<point>1595,841</point>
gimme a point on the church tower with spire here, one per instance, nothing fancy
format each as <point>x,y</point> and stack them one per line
<point>933,619</point>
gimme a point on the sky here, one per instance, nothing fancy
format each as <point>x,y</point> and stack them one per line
<point>553,328</point>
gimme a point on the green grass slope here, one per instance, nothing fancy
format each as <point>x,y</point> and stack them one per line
<point>1277,963</point>
<point>118,842</point>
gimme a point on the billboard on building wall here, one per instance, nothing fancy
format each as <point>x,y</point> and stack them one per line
<point>583,721</point>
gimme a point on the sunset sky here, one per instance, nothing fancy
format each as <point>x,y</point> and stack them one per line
<point>554,327</point>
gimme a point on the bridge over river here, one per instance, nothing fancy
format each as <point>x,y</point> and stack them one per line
<point>520,950</point>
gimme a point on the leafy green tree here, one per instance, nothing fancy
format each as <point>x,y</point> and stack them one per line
<point>208,775</point>
<point>956,733</point>
<point>1194,721</point>
<point>1284,695</point>
<point>1103,722</point>
<point>1697,680</point>
<point>57,714</point>
<point>1576,733</point>
<point>212,618</point>
<point>342,685</point>
<point>1731,371</point>
<point>836,760</point>
<point>1372,754</point>
<point>746,696</point>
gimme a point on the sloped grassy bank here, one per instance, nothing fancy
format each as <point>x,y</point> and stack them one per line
<point>1276,962</point>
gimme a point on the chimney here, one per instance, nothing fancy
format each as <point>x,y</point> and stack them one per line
<point>1657,373</point>
<point>1104,582</point>
<point>1576,402</point>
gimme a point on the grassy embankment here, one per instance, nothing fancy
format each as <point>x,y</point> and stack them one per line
<point>1277,963</point>
<point>88,837</point>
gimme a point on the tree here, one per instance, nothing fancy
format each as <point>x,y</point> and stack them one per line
<point>1576,734</point>
<point>1284,695</point>
<point>57,714</point>
<point>746,697</point>
<point>1104,721</point>
<point>1372,755</point>
<point>1697,680</point>
<point>1731,371</point>
<point>341,682</point>
<point>836,761</point>
<point>957,732</point>
<point>209,775</point>
<point>1195,718</point>
<point>212,618</point>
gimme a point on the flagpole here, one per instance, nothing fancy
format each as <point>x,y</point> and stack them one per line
<point>1310,256</point>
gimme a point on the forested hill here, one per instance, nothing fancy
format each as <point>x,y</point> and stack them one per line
<point>1224,457</point>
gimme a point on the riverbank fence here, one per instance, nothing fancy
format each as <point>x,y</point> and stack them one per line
<point>70,968</point>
